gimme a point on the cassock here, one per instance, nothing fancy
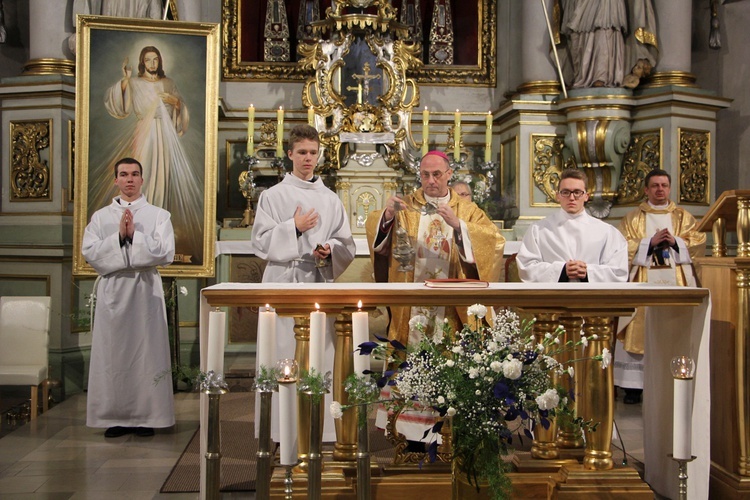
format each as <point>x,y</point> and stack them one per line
<point>130,344</point>
<point>668,266</point>
<point>561,237</point>
<point>437,255</point>
<point>290,259</point>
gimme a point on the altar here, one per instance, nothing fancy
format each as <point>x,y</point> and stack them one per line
<point>677,324</point>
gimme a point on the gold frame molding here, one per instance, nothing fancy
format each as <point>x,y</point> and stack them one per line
<point>171,37</point>
<point>483,74</point>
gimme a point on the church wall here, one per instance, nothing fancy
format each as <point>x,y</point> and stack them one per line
<point>15,51</point>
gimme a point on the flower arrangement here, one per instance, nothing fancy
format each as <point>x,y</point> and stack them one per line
<point>494,382</point>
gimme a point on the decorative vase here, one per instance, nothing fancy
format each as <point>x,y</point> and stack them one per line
<point>461,487</point>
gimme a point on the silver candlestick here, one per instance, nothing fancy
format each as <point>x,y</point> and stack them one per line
<point>682,475</point>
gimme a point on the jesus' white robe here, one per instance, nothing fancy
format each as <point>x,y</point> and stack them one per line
<point>290,259</point>
<point>130,345</point>
<point>561,237</point>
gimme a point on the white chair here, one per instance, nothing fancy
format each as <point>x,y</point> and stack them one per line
<point>24,345</point>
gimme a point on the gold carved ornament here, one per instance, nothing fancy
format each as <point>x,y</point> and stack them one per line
<point>642,156</point>
<point>694,166</point>
<point>547,164</point>
<point>30,175</point>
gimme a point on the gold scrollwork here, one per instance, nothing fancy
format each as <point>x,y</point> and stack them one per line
<point>694,166</point>
<point>642,156</point>
<point>30,174</point>
<point>547,163</point>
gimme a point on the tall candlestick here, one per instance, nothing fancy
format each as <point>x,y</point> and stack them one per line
<point>280,132</point>
<point>425,130</point>
<point>682,371</point>
<point>317,339</point>
<point>457,136</point>
<point>216,329</point>
<point>287,421</point>
<point>360,335</point>
<point>267,337</point>
<point>251,130</point>
<point>488,138</point>
<point>311,116</point>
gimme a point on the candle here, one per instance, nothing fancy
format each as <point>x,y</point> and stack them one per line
<point>457,136</point>
<point>280,132</point>
<point>360,335</point>
<point>488,138</point>
<point>251,130</point>
<point>215,351</point>
<point>311,116</point>
<point>287,418</point>
<point>425,130</point>
<point>267,337</point>
<point>682,371</point>
<point>317,339</point>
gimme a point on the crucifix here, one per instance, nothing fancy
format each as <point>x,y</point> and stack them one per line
<point>363,82</point>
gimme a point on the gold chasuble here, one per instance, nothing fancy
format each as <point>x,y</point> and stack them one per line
<point>638,226</point>
<point>437,252</point>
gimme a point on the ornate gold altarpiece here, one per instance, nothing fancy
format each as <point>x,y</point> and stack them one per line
<point>678,326</point>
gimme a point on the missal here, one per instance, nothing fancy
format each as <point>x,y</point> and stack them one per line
<point>456,283</point>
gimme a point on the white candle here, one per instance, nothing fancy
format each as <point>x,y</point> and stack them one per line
<point>488,138</point>
<point>360,335</point>
<point>683,407</point>
<point>288,423</point>
<point>317,340</point>
<point>425,130</point>
<point>267,337</point>
<point>311,116</point>
<point>457,136</point>
<point>250,130</point>
<point>280,132</point>
<point>215,353</point>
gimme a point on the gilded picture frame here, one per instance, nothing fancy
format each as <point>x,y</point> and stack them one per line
<point>481,73</point>
<point>178,149</point>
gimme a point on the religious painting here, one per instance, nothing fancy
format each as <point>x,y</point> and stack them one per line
<point>262,36</point>
<point>147,89</point>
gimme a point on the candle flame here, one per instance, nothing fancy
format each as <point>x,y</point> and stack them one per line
<point>287,371</point>
<point>317,306</point>
<point>359,305</point>
<point>268,307</point>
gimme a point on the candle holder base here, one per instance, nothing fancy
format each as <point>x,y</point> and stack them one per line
<point>682,475</point>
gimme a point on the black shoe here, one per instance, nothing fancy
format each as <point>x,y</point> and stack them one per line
<point>632,396</point>
<point>144,432</point>
<point>115,432</point>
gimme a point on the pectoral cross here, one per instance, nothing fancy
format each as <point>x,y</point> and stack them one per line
<point>364,81</point>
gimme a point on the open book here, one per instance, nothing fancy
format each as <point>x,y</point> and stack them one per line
<point>456,283</point>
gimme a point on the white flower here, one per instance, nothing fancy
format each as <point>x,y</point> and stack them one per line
<point>450,363</point>
<point>512,369</point>
<point>478,392</point>
<point>547,335</point>
<point>557,340</point>
<point>473,372</point>
<point>550,399</point>
<point>477,358</point>
<point>477,310</point>
<point>457,349</point>
<point>441,400</point>
<point>336,411</point>
<point>183,291</point>
<point>584,341</point>
<point>594,337</point>
<point>606,358</point>
<point>492,346</point>
<point>571,371</point>
<point>417,323</point>
<point>496,366</point>
<point>450,411</point>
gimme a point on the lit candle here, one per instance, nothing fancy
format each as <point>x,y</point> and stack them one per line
<point>425,130</point>
<point>360,335</point>
<point>280,132</point>
<point>317,339</point>
<point>311,116</point>
<point>488,138</point>
<point>267,337</point>
<point>287,415</point>
<point>457,136</point>
<point>215,352</point>
<point>682,371</point>
<point>251,130</point>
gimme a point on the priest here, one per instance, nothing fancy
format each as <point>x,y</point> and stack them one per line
<point>662,243</point>
<point>570,245</point>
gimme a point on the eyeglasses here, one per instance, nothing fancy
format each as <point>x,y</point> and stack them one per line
<point>565,193</point>
<point>435,175</point>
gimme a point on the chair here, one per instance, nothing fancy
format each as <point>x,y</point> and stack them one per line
<point>24,344</point>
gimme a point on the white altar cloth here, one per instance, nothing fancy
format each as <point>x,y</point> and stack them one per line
<point>672,330</point>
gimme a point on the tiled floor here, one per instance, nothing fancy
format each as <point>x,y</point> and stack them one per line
<point>58,457</point>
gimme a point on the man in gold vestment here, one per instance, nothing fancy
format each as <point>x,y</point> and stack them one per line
<point>662,243</point>
<point>451,237</point>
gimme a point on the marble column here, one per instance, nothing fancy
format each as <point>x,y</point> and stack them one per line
<point>674,19</point>
<point>49,28</point>
<point>538,71</point>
